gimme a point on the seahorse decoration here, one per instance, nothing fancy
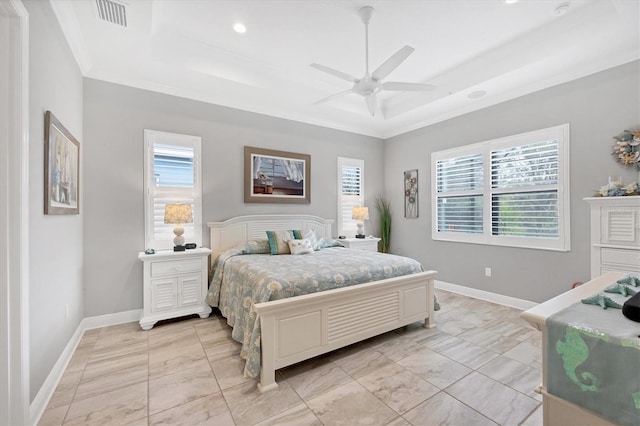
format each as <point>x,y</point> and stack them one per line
<point>574,352</point>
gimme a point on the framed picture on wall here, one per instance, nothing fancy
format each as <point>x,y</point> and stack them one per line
<point>411,194</point>
<point>276,176</point>
<point>61,168</point>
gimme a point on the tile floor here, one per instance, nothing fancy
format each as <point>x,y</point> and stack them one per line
<point>480,366</point>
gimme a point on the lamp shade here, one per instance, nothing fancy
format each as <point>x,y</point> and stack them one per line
<point>178,213</point>
<point>360,213</point>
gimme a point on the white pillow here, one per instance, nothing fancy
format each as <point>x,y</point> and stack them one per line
<point>311,236</point>
<point>302,246</point>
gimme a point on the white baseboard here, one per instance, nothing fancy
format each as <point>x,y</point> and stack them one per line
<point>40,402</point>
<point>487,296</point>
<point>111,319</point>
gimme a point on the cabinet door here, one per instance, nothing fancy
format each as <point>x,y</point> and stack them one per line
<point>190,290</point>
<point>163,294</point>
<point>620,226</point>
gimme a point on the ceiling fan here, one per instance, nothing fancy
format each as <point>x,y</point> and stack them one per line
<point>369,85</point>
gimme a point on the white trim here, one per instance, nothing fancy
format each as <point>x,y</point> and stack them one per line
<point>487,296</point>
<point>47,389</point>
<point>348,229</point>
<point>152,137</point>
<point>45,393</point>
<point>562,242</point>
<point>14,282</point>
<point>110,319</point>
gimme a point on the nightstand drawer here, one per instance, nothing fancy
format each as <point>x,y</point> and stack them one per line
<point>175,267</point>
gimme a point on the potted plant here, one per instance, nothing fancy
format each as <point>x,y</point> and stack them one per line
<point>384,210</point>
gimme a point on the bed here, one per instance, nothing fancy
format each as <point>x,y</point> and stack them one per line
<point>297,328</point>
<point>580,373</point>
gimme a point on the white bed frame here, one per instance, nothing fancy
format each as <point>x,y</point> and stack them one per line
<point>557,411</point>
<point>299,328</point>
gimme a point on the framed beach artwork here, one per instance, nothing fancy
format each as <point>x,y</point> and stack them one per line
<point>411,194</point>
<point>61,168</point>
<point>276,176</point>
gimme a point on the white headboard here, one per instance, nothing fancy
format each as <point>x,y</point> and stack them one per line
<point>240,229</point>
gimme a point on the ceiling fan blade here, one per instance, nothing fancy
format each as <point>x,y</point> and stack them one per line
<point>409,87</point>
<point>392,63</point>
<point>330,97</point>
<point>372,103</point>
<point>335,73</point>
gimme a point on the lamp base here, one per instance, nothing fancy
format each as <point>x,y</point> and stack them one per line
<point>359,235</point>
<point>178,248</point>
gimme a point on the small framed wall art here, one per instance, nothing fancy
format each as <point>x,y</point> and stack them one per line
<point>276,176</point>
<point>411,194</point>
<point>61,168</point>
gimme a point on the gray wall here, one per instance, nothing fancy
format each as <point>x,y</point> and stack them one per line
<point>596,107</point>
<point>55,242</point>
<point>114,119</point>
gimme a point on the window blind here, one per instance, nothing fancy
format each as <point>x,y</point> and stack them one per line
<point>172,175</point>
<point>510,191</point>
<point>351,193</point>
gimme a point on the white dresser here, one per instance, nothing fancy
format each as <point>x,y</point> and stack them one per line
<point>615,234</point>
<point>175,285</point>
<point>367,244</point>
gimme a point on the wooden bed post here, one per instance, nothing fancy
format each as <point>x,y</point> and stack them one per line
<point>430,322</point>
<point>267,348</point>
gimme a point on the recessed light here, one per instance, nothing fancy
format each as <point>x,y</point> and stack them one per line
<point>561,9</point>
<point>511,1</point>
<point>477,94</point>
<point>239,28</point>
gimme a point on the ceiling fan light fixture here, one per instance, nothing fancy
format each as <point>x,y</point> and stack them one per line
<point>369,85</point>
<point>239,28</point>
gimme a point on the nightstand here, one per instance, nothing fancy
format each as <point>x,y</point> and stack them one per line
<point>175,285</point>
<point>366,244</point>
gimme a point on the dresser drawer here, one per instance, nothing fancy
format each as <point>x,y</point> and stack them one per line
<point>629,258</point>
<point>175,267</point>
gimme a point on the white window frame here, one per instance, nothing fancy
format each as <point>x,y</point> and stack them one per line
<point>561,243</point>
<point>348,227</point>
<point>152,137</point>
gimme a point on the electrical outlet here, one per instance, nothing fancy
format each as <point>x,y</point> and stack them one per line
<point>487,272</point>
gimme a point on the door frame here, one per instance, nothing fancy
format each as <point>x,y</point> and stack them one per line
<point>14,220</point>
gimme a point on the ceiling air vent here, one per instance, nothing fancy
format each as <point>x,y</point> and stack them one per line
<point>112,11</point>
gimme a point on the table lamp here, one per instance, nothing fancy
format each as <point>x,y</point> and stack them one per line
<point>178,213</point>
<point>360,214</point>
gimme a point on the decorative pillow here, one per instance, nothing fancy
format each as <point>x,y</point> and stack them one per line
<point>302,246</point>
<point>311,236</point>
<point>328,242</point>
<point>257,247</point>
<point>278,241</point>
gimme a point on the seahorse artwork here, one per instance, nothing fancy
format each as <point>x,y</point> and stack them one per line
<point>574,352</point>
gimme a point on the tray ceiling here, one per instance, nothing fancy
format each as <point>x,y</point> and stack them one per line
<point>477,52</point>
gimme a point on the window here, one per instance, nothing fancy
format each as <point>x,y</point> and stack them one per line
<point>350,193</point>
<point>512,191</point>
<point>172,174</point>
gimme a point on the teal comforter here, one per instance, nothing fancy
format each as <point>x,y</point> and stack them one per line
<point>240,280</point>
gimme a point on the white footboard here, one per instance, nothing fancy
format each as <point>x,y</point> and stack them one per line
<point>302,327</point>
